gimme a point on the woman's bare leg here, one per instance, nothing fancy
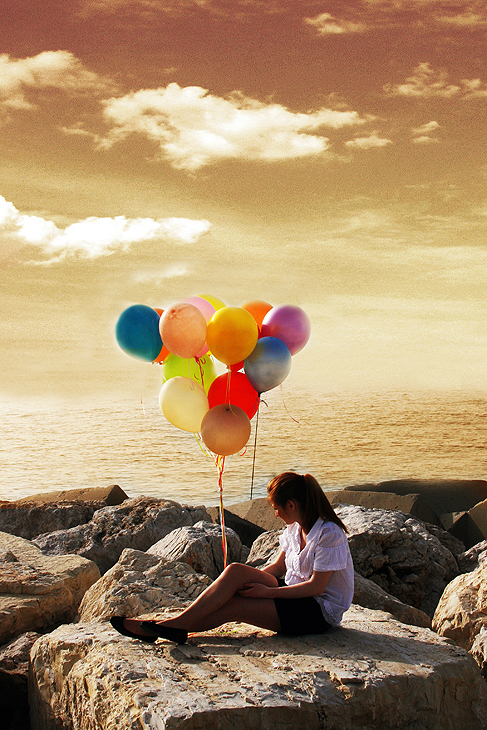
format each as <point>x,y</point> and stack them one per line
<point>215,598</point>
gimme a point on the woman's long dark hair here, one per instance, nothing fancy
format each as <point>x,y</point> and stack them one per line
<point>307,493</point>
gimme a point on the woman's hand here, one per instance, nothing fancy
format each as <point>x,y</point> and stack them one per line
<point>256,590</point>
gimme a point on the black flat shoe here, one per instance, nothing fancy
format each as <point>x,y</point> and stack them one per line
<point>165,632</point>
<point>118,623</point>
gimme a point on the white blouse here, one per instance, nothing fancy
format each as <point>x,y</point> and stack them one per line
<point>326,549</point>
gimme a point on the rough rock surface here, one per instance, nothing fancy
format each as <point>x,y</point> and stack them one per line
<point>141,584</point>
<point>31,519</point>
<point>201,547</point>
<point>14,669</point>
<point>462,610</point>
<point>36,591</point>
<point>400,554</point>
<point>374,672</point>
<point>136,523</point>
<point>471,559</point>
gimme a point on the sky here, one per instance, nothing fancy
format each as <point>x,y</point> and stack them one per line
<point>329,155</point>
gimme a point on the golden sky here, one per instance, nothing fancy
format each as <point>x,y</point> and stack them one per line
<point>326,154</point>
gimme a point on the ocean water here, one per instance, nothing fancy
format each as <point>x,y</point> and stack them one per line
<point>341,438</point>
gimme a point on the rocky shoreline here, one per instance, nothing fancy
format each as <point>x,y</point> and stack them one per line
<point>411,651</point>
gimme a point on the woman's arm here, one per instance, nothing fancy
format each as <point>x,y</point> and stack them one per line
<point>312,587</point>
<point>278,567</point>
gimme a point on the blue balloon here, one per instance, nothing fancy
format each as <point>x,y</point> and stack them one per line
<point>268,364</point>
<point>137,332</point>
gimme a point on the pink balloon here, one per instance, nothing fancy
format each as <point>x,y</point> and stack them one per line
<point>225,429</point>
<point>207,310</point>
<point>288,323</point>
<point>183,329</point>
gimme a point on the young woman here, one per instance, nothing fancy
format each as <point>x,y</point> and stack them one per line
<point>315,562</point>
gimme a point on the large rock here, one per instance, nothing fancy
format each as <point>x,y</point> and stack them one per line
<point>367,593</point>
<point>37,592</point>
<point>141,584</point>
<point>400,554</point>
<point>471,526</point>
<point>461,613</point>
<point>201,547</point>
<point>31,519</point>
<point>110,495</point>
<point>14,670</point>
<point>412,504</point>
<point>136,523</point>
<point>374,672</point>
<point>247,531</point>
<point>258,512</point>
<point>444,496</point>
<point>472,558</point>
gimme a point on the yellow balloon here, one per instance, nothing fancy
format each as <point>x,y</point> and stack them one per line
<point>225,429</point>
<point>232,334</point>
<point>184,403</point>
<point>214,301</point>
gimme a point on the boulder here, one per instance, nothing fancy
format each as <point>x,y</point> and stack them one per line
<point>38,592</point>
<point>443,496</point>
<point>412,504</point>
<point>367,593</point>
<point>136,523</point>
<point>374,672</point>
<point>31,519</point>
<point>400,554</point>
<point>471,526</point>
<point>462,610</point>
<point>258,512</point>
<point>141,584</point>
<point>110,495</point>
<point>201,547</point>
<point>14,670</point>
<point>472,558</point>
<point>246,530</point>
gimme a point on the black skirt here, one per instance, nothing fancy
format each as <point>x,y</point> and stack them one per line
<point>300,616</point>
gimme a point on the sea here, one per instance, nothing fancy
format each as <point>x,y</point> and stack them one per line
<point>341,438</point>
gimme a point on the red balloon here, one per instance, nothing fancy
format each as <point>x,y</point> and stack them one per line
<point>235,389</point>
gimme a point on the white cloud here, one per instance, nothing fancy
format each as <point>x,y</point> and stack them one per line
<point>194,128</point>
<point>155,278</point>
<point>427,82</point>
<point>369,142</point>
<point>89,238</point>
<point>50,69</point>
<point>326,24</point>
<point>423,133</point>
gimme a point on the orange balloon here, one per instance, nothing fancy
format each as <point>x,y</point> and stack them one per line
<point>232,334</point>
<point>164,351</point>
<point>225,429</point>
<point>258,310</point>
<point>183,329</point>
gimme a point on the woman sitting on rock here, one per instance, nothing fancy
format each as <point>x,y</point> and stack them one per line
<point>315,561</point>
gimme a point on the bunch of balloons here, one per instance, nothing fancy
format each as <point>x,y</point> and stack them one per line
<point>255,342</point>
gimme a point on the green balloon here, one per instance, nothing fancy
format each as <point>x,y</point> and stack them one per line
<point>201,370</point>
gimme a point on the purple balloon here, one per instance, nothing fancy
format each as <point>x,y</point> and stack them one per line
<point>288,323</point>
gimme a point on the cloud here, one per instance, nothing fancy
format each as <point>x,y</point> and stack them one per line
<point>194,128</point>
<point>369,142</point>
<point>19,77</point>
<point>427,83</point>
<point>326,24</point>
<point>423,133</point>
<point>89,238</point>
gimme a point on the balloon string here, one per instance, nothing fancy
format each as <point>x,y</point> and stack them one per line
<point>220,462</point>
<point>285,407</point>
<point>255,451</point>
